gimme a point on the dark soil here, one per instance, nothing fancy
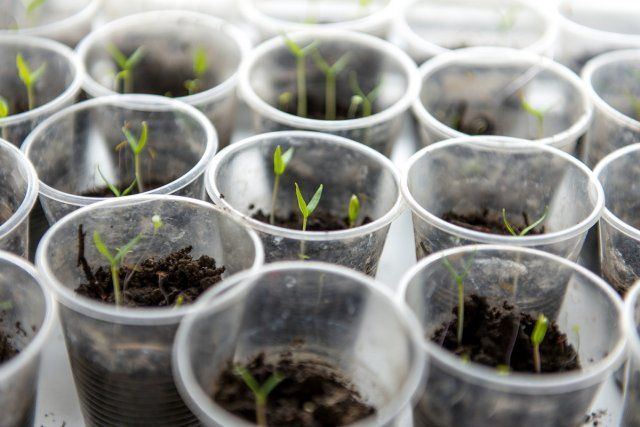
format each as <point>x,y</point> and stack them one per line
<point>484,223</point>
<point>488,335</point>
<point>313,394</point>
<point>458,117</point>
<point>18,106</point>
<point>157,81</point>
<point>7,350</point>
<point>319,221</point>
<point>316,107</point>
<point>106,192</point>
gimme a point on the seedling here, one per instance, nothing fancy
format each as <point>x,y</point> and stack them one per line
<point>330,72</point>
<point>356,101</point>
<point>32,5</point>
<point>4,107</point>
<point>503,370</point>
<point>280,162</point>
<point>537,336</point>
<point>137,146</point>
<point>29,78</point>
<point>126,66</point>
<point>536,113</point>
<point>200,67</point>
<point>354,210</point>
<point>260,392</point>
<point>300,53</point>
<point>284,100</point>
<point>525,230</point>
<point>114,189</point>
<point>368,98</point>
<point>306,210</point>
<point>459,279</point>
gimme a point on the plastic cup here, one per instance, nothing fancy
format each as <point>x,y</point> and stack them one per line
<point>274,17</point>
<point>171,39</point>
<point>469,175</point>
<point>315,310</point>
<point>481,90</point>
<point>121,357</point>
<point>58,87</point>
<point>113,9</point>
<point>270,71</point>
<point>66,21</point>
<point>68,148</point>
<point>631,413</point>
<point>468,394</point>
<point>591,27</point>
<point>426,28</point>
<point>240,180</point>
<point>613,85</point>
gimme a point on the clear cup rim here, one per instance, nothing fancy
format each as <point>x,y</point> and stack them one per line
<point>425,47</point>
<point>132,101</point>
<point>274,25</point>
<point>126,315</point>
<point>630,327</point>
<point>153,19</point>
<point>22,213</point>
<point>590,33</point>
<point>386,49</point>
<point>310,236</point>
<point>497,56</point>
<point>511,145</point>
<point>528,384</point>
<point>34,347</point>
<point>595,65</point>
<point>217,299</point>
<point>65,96</point>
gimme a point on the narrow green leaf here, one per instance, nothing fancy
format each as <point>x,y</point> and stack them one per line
<point>536,223</point>
<point>302,205</point>
<point>135,58</point>
<point>130,188</point>
<point>102,248</point>
<point>123,251</point>
<point>111,187</point>
<point>33,5</point>
<point>278,163</point>
<point>539,330</point>
<point>248,379</point>
<point>23,70</point>
<point>341,63</point>
<point>271,383</point>
<point>133,143</point>
<point>35,76</point>
<point>355,86</point>
<point>320,62</point>
<point>4,107</point>
<point>507,224</point>
<point>315,200</point>
<point>373,94</point>
<point>286,157</point>
<point>293,46</point>
<point>354,210</point>
<point>117,56</point>
<point>200,62</point>
<point>526,106</point>
<point>142,141</point>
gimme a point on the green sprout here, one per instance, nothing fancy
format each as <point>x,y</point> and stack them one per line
<point>300,53</point>
<point>284,100</point>
<point>137,145</point>
<point>536,113</point>
<point>114,189</point>
<point>354,210</point>
<point>526,230</point>
<point>356,101</point>
<point>179,301</point>
<point>459,279</point>
<point>4,107</point>
<point>367,99</point>
<point>126,65</point>
<point>306,210</point>
<point>32,5</point>
<point>330,72</point>
<point>635,104</point>
<point>29,78</point>
<point>364,3</point>
<point>200,67</point>
<point>503,370</point>
<point>537,336</point>
<point>260,392</point>
<point>280,162</point>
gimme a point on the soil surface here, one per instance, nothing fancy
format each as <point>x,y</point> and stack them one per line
<point>316,107</point>
<point>104,191</point>
<point>488,335</point>
<point>319,221</point>
<point>484,223</point>
<point>311,394</point>
<point>7,350</point>
<point>159,82</point>
<point>458,118</point>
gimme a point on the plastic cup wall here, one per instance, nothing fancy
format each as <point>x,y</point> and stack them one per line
<point>631,413</point>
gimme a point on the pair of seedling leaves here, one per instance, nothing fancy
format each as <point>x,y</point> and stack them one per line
<point>29,78</point>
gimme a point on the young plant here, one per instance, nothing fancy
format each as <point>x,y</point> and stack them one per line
<point>537,336</point>
<point>330,72</point>
<point>4,108</point>
<point>280,162</point>
<point>284,100</point>
<point>367,98</point>
<point>29,78</point>
<point>137,145</point>
<point>525,230</point>
<point>306,210</point>
<point>300,53</point>
<point>354,210</point>
<point>537,114</point>
<point>32,5</point>
<point>126,65</point>
<point>260,392</point>
<point>459,279</point>
<point>356,101</point>
<point>200,67</point>
<point>114,189</point>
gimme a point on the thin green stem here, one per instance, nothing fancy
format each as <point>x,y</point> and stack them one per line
<point>138,172</point>
<point>128,82</point>
<point>536,358</point>
<point>330,108</point>
<point>366,107</point>
<point>30,97</point>
<point>261,411</point>
<point>274,197</point>
<point>460,310</point>
<point>116,284</point>
<point>302,242</point>
<point>301,76</point>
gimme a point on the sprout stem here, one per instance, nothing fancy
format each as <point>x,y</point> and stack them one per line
<point>274,198</point>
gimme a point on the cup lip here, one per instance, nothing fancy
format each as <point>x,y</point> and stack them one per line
<point>310,236</point>
<point>65,96</point>
<point>83,14</point>
<point>133,101</point>
<point>34,347</point>
<point>591,33</point>
<point>217,299</point>
<point>593,66</point>
<point>126,315</point>
<point>502,55</point>
<point>269,24</point>
<point>386,49</point>
<point>528,384</point>
<point>541,45</point>
<point>22,213</point>
<point>515,145</point>
<point>153,19</point>
<point>630,327</point>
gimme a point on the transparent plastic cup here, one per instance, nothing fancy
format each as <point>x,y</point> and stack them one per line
<point>631,413</point>
<point>171,39</point>
<point>18,195</point>
<point>426,28</point>
<point>121,357</point>
<point>27,322</point>
<point>240,180</point>
<point>270,71</point>
<point>591,27</point>
<point>469,175</point>
<point>620,226</point>
<point>66,21</point>
<point>68,148</point>
<point>113,9</point>
<point>584,307</point>
<point>58,87</point>
<point>481,91</point>
<point>613,85</point>
<point>318,312</point>
<point>274,17</point>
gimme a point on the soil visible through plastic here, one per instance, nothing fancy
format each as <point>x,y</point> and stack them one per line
<point>484,223</point>
<point>7,350</point>
<point>312,394</point>
<point>319,221</point>
<point>316,108</point>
